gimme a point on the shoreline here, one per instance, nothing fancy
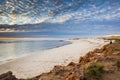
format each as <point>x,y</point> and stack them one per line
<point>32,65</point>
<point>33,53</point>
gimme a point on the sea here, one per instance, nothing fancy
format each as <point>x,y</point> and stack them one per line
<point>12,49</point>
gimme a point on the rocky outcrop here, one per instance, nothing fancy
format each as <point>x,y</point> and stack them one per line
<point>106,56</point>
<point>8,76</point>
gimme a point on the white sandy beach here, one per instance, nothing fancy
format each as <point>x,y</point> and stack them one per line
<point>36,64</point>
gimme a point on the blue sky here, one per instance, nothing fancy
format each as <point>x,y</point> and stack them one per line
<point>57,11</point>
<point>72,13</point>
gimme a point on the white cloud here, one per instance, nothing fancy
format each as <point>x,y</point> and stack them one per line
<point>61,19</point>
<point>12,19</point>
<point>10,30</point>
<point>42,19</point>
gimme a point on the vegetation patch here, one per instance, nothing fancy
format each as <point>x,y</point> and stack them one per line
<point>94,71</point>
<point>117,41</point>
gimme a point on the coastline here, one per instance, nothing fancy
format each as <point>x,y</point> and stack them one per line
<point>35,64</point>
<point>39,51</point>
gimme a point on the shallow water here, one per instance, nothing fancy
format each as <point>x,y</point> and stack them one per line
<point>19,48</point>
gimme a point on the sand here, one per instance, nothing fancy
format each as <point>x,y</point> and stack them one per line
<point>33,65</point>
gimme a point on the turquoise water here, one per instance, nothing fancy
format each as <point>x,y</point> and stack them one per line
<point>15,49</point>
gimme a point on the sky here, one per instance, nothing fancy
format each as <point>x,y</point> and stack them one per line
<point>72,15</point>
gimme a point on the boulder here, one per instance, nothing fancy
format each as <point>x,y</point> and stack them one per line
<point>8,76</point>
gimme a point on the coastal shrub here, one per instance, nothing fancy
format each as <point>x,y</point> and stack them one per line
<point>117,41</point>
<point>94,71</point>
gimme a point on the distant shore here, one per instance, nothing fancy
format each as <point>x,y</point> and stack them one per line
<point>36,64</point>
<point>4,38</point>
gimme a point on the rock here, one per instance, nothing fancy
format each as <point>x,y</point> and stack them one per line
<point>118,65</point>
<point>83,78</point>
<point>8,76</point>
<point>116,52</point>
<point>81,59</point>
<point>98,50</point>
<point>75,75</point>
<point>71,64</point>
<point>111,48</point>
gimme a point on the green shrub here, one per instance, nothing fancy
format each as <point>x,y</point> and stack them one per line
<point>117,41</point>
<point>94,70</point>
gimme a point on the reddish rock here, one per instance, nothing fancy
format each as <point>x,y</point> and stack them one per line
<point>71,64</point>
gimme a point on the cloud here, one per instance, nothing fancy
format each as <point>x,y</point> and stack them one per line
<point>10,30</point>
<point>61,18</point>
<point>41,20</point>
<point>12,19</point>
<point>37,11</point>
